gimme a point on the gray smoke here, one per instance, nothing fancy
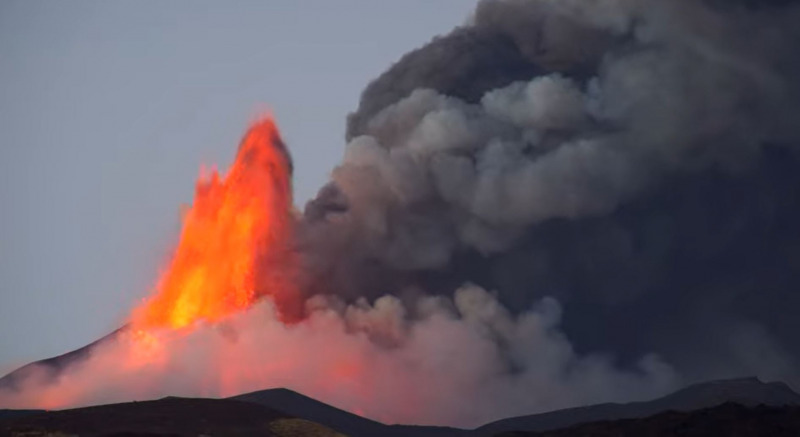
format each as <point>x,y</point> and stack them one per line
<point>635,160</point>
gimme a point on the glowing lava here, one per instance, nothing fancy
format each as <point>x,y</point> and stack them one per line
<point>236,225</point>
<point>235,246</point>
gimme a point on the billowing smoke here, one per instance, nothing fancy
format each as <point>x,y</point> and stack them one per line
<point>561,202</point>
<point>635,160</point>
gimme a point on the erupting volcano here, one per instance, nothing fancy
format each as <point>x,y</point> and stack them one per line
<point>234,248</point>
<point>513,197</point>
<point>234,224</point>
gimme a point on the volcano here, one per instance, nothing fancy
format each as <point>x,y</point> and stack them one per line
<point>234,249</point>
<point>556,204</point>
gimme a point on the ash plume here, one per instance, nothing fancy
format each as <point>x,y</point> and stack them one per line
<point>635,160</point>
<point>560,202</point>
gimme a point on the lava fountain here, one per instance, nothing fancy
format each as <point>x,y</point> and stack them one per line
<point>236,224</point>
<point>235,247</point>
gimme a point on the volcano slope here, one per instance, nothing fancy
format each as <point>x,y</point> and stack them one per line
<point>49,369</point>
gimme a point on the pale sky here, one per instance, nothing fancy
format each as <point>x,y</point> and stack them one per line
<point>109,108</point>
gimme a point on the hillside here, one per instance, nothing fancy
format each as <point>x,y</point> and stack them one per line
<point>730,420</point>
<point>299,405</point>
<point>746,391</point>
<point>746,405</point>
<point>174,417</point>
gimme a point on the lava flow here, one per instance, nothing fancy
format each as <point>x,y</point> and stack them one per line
<point>236,225</point>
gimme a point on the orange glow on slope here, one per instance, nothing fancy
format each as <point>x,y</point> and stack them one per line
<point>235,226</point>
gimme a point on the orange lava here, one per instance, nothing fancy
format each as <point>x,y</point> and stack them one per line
<point>235,243</point>
<point>235,247</point>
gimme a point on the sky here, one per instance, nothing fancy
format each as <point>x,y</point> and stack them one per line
<point>108,110</point>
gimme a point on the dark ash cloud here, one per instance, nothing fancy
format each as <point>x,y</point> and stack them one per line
<point>635,160</point>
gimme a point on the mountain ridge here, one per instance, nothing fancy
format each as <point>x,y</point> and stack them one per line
<point>301,412</point>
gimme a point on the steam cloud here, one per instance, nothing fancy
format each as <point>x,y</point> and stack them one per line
<point>619,174</point>
<point>468,348</point>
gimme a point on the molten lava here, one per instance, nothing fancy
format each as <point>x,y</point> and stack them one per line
<point>234,246</point>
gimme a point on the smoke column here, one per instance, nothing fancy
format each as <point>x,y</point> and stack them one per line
<point>561,202</point>
<point>632,159</point>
